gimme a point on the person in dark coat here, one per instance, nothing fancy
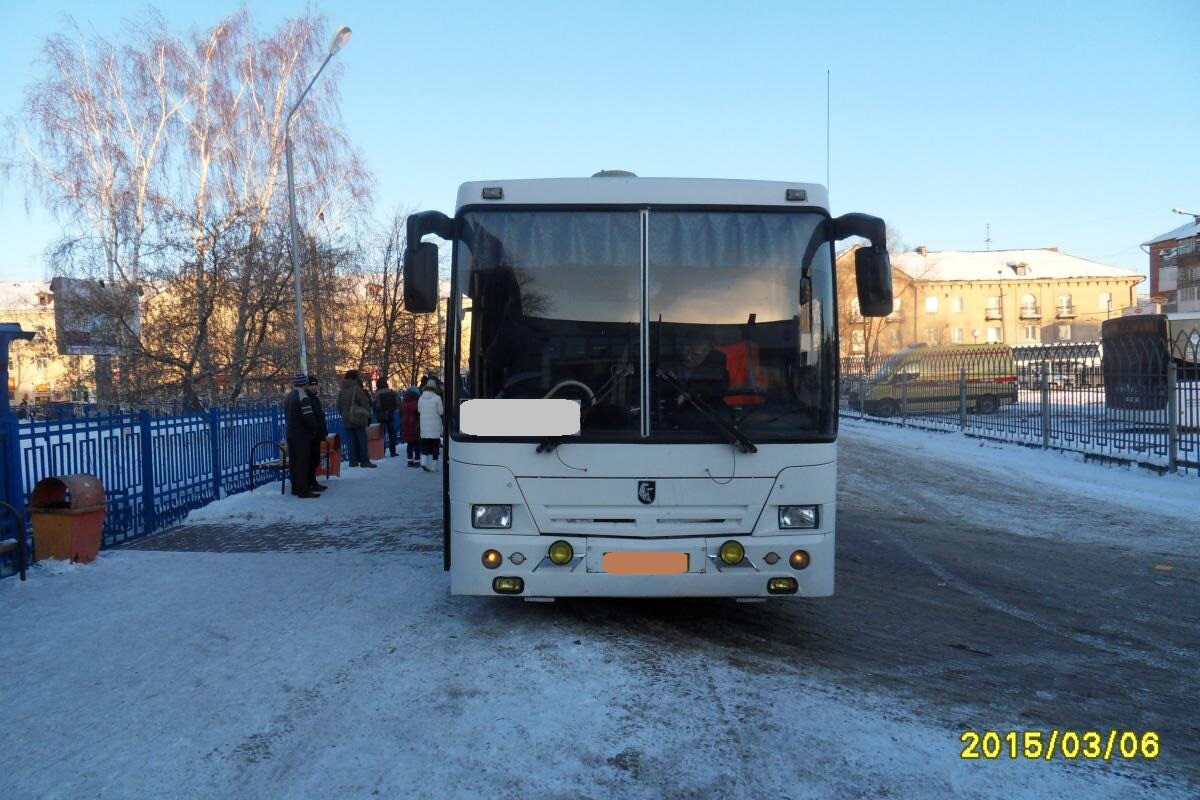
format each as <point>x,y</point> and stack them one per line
<point>411,426</point>
<point>386,404</point>
<point>355,408</point>
<point>318,412</point>
<point>301,427</point>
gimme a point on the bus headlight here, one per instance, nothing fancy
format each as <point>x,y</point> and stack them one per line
<point>732,552</point>
<point>491,516</point>
<point>561,552</point>
<point>798,517</point>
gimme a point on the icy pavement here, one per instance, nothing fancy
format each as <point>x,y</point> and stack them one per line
<point>277,647</point>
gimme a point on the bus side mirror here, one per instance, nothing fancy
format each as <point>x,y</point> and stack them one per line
<point>873,274</point>
<point>420,278</point>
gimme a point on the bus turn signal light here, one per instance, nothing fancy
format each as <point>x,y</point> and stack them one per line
<point>492,558</point>
<point>508,585</point>
<point>799,559</point>
<point>780,585</point>
<point>732,552</point>
<point>561,552</point>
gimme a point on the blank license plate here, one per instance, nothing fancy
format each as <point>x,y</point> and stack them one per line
<point>645,563</point>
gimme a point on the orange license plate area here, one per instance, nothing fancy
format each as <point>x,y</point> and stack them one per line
<point>645,563</point>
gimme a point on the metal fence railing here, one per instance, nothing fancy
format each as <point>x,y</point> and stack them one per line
<point>1135,400</point>
<point>155,468</point>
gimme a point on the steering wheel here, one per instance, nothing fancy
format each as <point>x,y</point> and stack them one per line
<point>578,384</point>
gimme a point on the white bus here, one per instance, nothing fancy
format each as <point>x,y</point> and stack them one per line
<point>692,325</point>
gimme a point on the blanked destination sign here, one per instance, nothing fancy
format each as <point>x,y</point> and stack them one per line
<point>519,417</point>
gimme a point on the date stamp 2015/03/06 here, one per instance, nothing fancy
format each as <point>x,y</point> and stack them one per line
<point>1055,743</point>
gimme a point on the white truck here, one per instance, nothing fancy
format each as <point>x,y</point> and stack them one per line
<point>651,383</point>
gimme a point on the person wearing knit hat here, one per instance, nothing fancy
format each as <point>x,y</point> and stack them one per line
<point>322,430</point>
<point>301,429</point>
<point>430,411</point>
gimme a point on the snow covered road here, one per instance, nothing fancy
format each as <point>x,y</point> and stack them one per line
<point>275,647</point>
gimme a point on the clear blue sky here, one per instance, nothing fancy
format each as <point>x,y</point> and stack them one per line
<point>1073,124</point>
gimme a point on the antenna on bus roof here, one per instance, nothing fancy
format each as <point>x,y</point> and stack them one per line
<point>826,133</point>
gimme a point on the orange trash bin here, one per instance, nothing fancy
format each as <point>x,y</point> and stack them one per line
<point>375,441</point>
<point>68,517</point>
<point>331,456</point>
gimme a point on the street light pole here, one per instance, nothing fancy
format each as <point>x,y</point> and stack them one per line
<point>339,40</point>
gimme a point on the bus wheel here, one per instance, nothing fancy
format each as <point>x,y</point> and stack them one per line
<point>887,408</point>
<point>986,405</point>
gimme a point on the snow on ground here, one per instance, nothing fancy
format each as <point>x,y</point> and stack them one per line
<point>1026,490</point>
<point>353,674</point>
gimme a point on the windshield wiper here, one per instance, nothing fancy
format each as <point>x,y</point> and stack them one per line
<point>732,434</point>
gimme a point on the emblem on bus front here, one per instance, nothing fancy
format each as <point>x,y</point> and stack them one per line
<point>646,492</point>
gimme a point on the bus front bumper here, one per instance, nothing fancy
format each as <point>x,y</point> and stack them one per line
<point>526,558</point>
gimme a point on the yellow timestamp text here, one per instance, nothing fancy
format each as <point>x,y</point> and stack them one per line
<point>1055,743</point>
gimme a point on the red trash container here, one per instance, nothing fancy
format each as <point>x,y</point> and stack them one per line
<point>68,517</point>
<point>331,455</point>
<point>375,441</point>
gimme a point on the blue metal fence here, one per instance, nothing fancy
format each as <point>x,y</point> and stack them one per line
<point>155,469</point>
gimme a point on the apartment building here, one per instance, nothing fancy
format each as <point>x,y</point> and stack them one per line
<point>36,371</point>
<point>1175,267</point>
<point>1018,297</point>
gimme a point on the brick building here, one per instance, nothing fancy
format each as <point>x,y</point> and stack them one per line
<point>1175,267</point>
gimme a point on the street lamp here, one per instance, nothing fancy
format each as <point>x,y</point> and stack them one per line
<point>339,40</point>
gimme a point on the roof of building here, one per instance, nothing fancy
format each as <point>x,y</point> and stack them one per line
<point>990,265</point>
<point>1184,231</point>
<point>22,295</point>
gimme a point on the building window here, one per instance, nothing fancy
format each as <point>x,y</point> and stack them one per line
<point>895,308</point>
<point>993,334</point>
<point>931,335</point>
<point>956,335</point>
<point>1031,333</point>
<point>855,310</point>
<point>374,291</point>
<point>1064,303</point>
<point>895,336</point>
<point>41,364</point>
<point>931,305</point>
<point>1106,301</point>
<point>1064,333</point>
<point>858,341</point>
<point>956,305</point>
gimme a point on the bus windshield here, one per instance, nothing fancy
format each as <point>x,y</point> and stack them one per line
<point>653,320</point>
<point>1137,351</point>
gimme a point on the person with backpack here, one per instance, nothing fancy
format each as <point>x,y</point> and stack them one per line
<point>386,403</point>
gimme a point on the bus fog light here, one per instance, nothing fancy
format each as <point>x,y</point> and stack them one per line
<point>732,552</point>
<point>507,585</point>
<point>517,558</point>
<point>771,558</point>
<point>561,552</point>
<point>492,559</point>
<point>798,517</point>
<point>489,516</point>
<point>799,559</point>
<point>779,585</point>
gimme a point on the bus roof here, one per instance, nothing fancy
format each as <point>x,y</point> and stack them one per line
<point>632,190</point>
